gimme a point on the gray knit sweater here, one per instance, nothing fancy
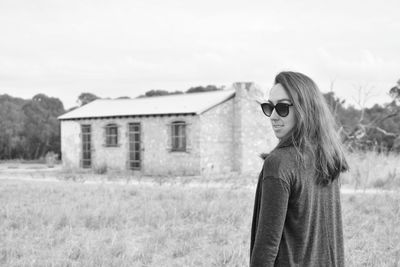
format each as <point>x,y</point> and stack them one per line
<point>296,222</point>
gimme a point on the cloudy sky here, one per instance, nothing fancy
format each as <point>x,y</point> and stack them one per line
<point>125,48</point>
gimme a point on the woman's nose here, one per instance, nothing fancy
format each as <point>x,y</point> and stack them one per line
<point>274,116</point>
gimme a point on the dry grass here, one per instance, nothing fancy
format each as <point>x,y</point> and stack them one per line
<point>373,170</point>
<point>372,230</point>
<point>67,223</point>
<point>73,224</point>
<point>367,170</point>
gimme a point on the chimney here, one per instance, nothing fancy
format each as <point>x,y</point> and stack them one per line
<point>252,132</point>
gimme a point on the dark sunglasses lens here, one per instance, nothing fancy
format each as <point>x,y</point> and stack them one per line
<point>267,109</point>
<point>282,109</point>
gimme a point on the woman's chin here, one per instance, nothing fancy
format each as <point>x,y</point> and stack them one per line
<point>280,134</point>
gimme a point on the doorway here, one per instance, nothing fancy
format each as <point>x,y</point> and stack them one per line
<point>135,157</point>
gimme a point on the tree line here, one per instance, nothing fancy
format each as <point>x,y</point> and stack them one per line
<point>29,129</point>
<point>375,128</point>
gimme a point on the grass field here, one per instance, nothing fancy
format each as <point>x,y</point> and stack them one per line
<point>367,170</point>
<point>373,170</point>
<point>73,224</point>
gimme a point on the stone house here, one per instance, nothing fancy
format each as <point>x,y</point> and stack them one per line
<point>187,134</point>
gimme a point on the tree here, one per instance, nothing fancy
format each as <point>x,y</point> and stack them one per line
<point>85,98</point>
<point>155,93</point>
<point>41,127</point>
<point>382,126</point>
<point>29,128</point>
<point>394,106</point>
<point>158,92</point>
<point>395,92</point>
<point>335,104</point>
<point>196,89</point>
<point>346,118</point>
<point>11,127</point>
<point>203,89</point>
<point>376,127</point>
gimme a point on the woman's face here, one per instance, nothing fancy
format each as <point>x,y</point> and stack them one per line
<point>281,125</point>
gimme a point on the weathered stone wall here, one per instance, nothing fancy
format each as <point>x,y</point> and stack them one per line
<point>253,133</point>
<point>157,159</point>
<point>235,133</point>
<point>70,144</point>
<point>216,145</point>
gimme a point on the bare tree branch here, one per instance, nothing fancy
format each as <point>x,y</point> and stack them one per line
<point>383,118</point>
<point>385,132</point>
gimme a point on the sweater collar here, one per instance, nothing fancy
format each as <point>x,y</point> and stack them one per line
<point>285,142</point>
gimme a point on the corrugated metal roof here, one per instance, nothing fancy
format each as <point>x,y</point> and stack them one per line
<point>193,103</point>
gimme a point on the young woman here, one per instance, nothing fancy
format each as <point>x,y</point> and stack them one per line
<point>297,213</point>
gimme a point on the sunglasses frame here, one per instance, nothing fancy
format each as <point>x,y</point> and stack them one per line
<point>278,110</point>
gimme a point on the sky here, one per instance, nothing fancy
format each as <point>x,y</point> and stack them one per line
<point>125,48</point>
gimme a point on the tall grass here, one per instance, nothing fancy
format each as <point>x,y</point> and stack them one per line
<point>59,225</point>
<point>367,170</point>
<point>71,224</point>
<point>373,170</point>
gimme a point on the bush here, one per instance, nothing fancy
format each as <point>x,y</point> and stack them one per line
<point>102,169</point>
<point>51,159</point>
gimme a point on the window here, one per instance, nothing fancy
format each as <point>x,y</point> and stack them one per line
<point>111,135</point>
<point>86,133</point>
<point>178,135</point>
<point>134,146</point>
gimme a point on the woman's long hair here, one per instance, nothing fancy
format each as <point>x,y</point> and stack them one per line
<point>315,131</point>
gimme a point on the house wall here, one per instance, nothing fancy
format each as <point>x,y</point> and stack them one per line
<point>253,133</point>
<point>216,149</point>
<point>157,159</point>
<point>70,144</point>
<point>235,133</point>
<point>111,157</point>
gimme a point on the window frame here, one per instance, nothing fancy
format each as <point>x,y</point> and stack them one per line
<point>178,136</point>
<point>111,138</point>
<point>86,146</point>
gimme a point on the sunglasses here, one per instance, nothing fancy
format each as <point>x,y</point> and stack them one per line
<point>281,108</point>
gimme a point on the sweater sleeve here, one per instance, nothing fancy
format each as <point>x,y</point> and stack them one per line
<point>273,208</point>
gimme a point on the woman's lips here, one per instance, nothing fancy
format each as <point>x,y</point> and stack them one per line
<point>277,126</point>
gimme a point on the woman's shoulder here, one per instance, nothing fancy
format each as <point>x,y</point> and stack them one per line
<point>280,154</point>
<point>279,160</point>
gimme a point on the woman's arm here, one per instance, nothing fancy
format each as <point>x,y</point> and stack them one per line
<point>274,201</point>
